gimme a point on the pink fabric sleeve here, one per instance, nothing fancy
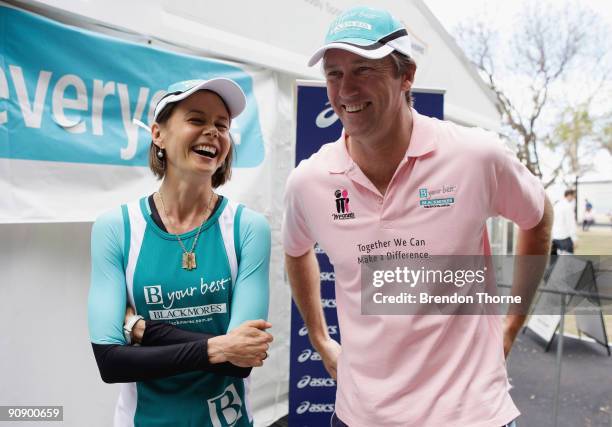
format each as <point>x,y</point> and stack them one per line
<point>297,238</point>
<point>520,195</point>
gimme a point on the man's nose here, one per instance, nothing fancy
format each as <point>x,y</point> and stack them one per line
<point>348,86</point>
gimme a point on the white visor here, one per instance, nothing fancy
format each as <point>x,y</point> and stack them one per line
<point>227,89</point>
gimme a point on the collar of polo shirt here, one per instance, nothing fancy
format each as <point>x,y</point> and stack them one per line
<point>418,147</point>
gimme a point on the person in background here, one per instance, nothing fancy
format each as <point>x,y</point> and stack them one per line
<point>564,227</point>
<point>588,217</point>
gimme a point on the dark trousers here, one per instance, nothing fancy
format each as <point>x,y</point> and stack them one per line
<point>337,422</point>
<point>564,245</point>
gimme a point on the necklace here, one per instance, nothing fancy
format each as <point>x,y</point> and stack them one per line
<point>189,257</point>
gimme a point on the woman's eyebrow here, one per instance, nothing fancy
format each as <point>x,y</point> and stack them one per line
<point>197,112</point>
<point>221,116</point>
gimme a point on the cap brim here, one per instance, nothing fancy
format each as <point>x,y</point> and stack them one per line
<point>227,89</point>
<point>365,51</point>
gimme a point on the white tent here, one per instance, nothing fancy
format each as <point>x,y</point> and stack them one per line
<point>281,35</point>
<point>45,264</point>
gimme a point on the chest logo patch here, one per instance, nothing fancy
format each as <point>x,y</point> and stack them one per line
<point>343,205</point>
<point>437,197</point>
<point>187,304</point>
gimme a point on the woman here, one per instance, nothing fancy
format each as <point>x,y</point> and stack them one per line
<point>192,265</point>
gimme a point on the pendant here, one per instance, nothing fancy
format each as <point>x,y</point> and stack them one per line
<point>189,260</point>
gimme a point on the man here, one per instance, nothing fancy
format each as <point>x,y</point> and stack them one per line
<point>564,228</point>
<point>409,371</point>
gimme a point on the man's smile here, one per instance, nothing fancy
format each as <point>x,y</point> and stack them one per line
<point>355,108</point>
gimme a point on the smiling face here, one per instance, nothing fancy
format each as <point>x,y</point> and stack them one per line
<point>366,94</point>
<point>196,137</point>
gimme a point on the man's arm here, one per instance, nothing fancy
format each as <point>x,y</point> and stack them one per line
<point>532,249</point>
<point>304,277</point>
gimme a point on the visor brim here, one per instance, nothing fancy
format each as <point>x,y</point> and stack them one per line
<point>364,51</point>
<point>227,89</point>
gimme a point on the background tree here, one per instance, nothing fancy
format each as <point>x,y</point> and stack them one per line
<point>549,47</point>
<point>604,134</point>
<point>574,138</point>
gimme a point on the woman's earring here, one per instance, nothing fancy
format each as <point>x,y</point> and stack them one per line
<point>160,153</point>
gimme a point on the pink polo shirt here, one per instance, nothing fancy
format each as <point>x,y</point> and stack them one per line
<point>429,370</point>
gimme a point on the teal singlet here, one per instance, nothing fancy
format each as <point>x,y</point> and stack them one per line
<point>136,262</point>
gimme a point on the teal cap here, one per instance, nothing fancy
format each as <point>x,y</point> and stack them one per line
<point>365,31</point>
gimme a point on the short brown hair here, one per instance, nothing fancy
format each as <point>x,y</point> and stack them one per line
<point>403,64</point>
<point>158,166</point>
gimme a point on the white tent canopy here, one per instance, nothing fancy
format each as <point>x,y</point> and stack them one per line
<point>282,34</point>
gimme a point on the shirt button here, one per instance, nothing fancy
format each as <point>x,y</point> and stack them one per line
<point>379,200</point>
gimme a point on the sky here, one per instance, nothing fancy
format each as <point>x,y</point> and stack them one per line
<point>451,14</point>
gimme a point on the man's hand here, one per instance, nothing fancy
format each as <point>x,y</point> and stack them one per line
<point>246,346</point>
<point>329,351</point>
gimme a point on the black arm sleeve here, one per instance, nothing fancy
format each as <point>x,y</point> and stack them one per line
<point>161,333</point>
<point>165,351</point>
<point>122,364</point>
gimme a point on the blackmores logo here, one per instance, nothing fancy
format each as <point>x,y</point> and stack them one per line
<point>343,207</point>
<point>430,197</point>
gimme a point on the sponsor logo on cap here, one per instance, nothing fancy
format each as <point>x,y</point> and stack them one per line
<point>350,24</point>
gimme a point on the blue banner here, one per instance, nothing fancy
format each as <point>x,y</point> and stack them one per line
<point>70,95</point>
<point>312,392</point>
